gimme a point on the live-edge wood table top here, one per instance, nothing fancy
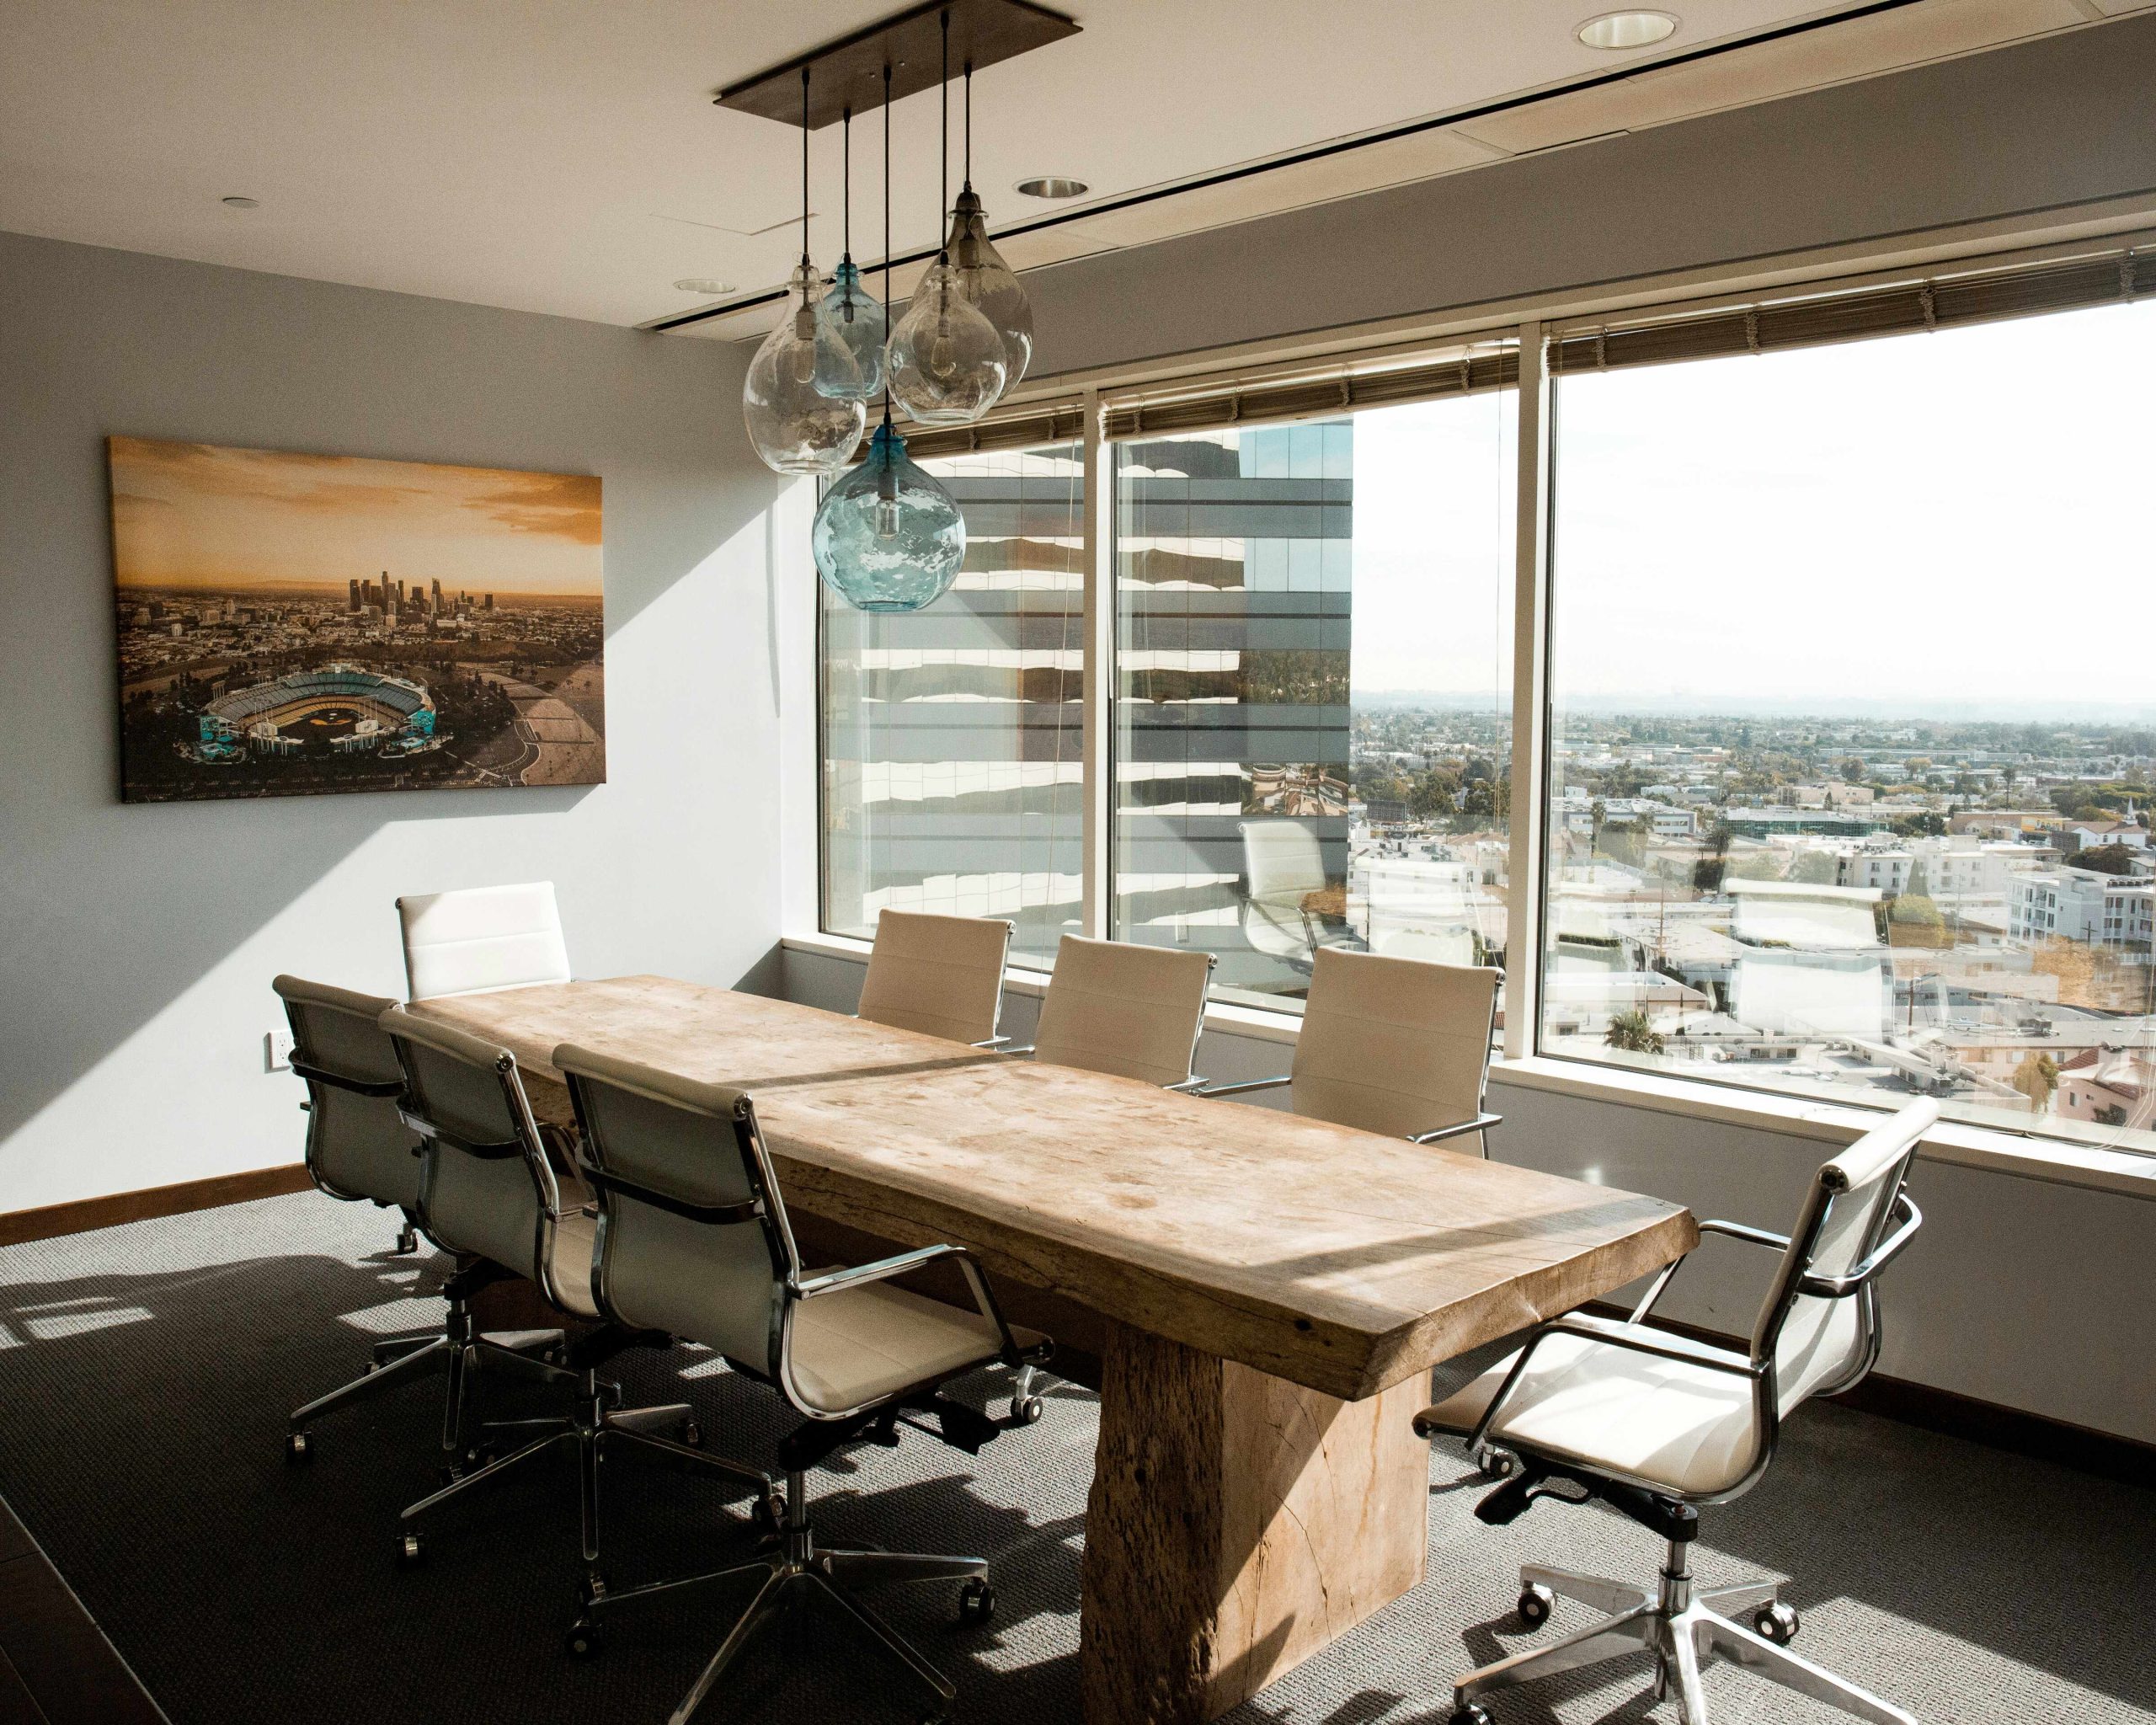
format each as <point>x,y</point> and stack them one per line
<point>1337,1259</point>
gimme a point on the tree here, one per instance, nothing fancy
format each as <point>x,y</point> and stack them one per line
<point>2105,859</point>
<point>2037,1077</point>
<point>1813,868</point>
<point>1851,770</point>
<point>1631,1032</point>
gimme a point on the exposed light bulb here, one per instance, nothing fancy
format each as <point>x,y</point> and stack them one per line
<point>948,365</point>
<point>888,536</point>
<point>796,423</point>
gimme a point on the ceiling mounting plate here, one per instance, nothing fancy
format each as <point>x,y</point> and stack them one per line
<point>849,73</point>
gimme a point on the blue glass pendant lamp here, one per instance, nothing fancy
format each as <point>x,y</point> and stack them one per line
<point>850,312</point>
<point>888,537</point>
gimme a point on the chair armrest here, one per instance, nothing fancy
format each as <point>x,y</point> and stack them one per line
<point>1191,1086</point>
<point>1244,1086</point>
<point>883,1269</point>
<point>995,1043</point>
<point>1730,1230</point>
<point>1891,1247</point>
<point>1636,1339</point>
<point>1014,1052</point>
<point>1478,1123</point>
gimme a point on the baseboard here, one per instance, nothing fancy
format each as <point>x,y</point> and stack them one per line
<point>1952,1414</point>
<point>51,1221</point>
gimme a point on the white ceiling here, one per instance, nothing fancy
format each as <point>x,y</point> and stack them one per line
<point>563,156</point>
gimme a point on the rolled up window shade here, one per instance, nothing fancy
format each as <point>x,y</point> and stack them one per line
<point>1940,301</point>
<point>1312,395</point>
<point>1027,427</point>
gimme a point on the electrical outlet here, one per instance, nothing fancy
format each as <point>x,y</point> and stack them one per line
<point>277,1051</point>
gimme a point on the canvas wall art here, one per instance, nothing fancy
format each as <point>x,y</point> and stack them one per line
<point>296,624</point>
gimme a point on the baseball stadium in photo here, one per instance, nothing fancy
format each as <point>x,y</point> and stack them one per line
<point>294,624</point>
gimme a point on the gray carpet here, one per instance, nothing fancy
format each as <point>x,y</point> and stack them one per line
<point>145,1373</point>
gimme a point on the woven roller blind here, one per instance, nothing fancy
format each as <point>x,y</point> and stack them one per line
<point>1940,302</point>
<point>1313,397</point>
<point>1027,427</point>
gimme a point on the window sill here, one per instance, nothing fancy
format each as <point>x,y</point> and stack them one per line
<point>2054,1160</point>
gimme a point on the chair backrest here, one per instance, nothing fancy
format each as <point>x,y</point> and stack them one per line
<point>941,975</point>
<point>482,940</point>
<point>357,1143</point>
<point>1281,856</point>
<point>1135,1011</point>
<point>693,1238</point>
<point>1395,1045</point>
<point>488,1187</point>
<point>1822,1344</point>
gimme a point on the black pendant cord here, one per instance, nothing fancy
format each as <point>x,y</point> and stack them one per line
<point>804,166</point>
<point>943,154</point>
<point>845,175</point>
<point>887,242</point>
<point>969,125</point>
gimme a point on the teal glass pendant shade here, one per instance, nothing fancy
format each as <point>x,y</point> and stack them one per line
<point>801,400</point>
<point>854,322</point>
<point>888,537</point>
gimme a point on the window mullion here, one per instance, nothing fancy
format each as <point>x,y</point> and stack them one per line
<point>1098,749</point>
<point>1527,805</point>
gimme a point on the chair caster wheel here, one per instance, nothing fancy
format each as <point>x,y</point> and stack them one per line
<point>1471,1713</point>
<point>1776,1622</point>
<point>590,1591</point>
<point>1534,1603</point>
<point>1497,1464</point>
<point>299,1448</point>
<point>586,1641</point>
<point>769,1515</point>
<point>1026,1410</point>
<point>693,1434</point>
<point>976,1602</point>
<point>411,1551</point>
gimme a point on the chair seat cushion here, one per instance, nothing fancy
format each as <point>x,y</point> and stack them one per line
<point>1685,1428</point>
<point>571,1267</point>
<point>864,1344</point>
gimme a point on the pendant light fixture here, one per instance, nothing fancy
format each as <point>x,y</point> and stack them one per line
<point>888,537</point>
<point>854,317</point>
<point>947,363</point>
<point>802,399</point>
<point>984,279</point>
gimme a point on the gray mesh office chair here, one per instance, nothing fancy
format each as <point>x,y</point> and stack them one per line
<point>490,1191</point>
<point>694,1241</point>
<point>359,1148</point>
<point>1656,1424</point>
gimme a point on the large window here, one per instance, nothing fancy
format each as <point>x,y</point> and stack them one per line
<point>1852,750</point>
<point>951,736</point>
<point>1313,659</point>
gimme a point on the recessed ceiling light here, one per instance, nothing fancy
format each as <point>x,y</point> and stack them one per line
<point>1628,29</point>
<point>1053,185</point>
<point>240,203</point>
<point>703,284</point>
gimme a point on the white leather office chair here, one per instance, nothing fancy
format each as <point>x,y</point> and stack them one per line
<point>694,1241</point>
<point>359,1148</point>
<point>1282,863</point>
<point>490,1192</point>
<point>1656,1424</point>
<point>941,975</point>
<point>1135,1011</point>
<point>482,940</point>
<point>1399,1046</point>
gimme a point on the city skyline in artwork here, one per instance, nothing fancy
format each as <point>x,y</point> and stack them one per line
<point>293,624</point>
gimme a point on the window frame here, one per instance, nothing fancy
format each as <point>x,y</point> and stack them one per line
<point>1533,323</point>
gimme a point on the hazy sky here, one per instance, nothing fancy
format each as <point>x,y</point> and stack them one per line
<point>194,515</point>
<point>1956,521</point>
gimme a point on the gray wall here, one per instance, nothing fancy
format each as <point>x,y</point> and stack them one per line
<point>137,944</point>
<point>2020,1292</point>
<point>2048,124</point>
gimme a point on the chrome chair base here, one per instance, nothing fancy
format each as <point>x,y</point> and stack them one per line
<point>596,1430</point>
<point>458,1354</point>
<point>797,1572</point>
<point>1683,1627</point>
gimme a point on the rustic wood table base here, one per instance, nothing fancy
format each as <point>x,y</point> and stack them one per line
<point>1237,1524</point>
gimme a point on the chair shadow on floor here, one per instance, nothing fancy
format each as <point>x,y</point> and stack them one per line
<point>141,1419</point>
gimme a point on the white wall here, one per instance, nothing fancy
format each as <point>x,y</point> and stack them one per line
<point>2021,1292</point>
<point>137,942</point>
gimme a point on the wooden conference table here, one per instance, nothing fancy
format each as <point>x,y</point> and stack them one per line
<point>1260,1297</point>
